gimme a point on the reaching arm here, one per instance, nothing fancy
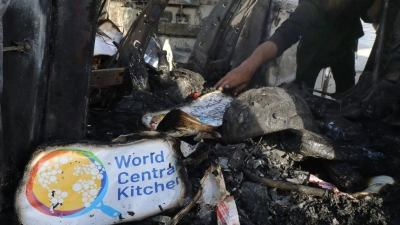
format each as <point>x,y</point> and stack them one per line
<point>240,77</point>
<point>305,15</point>
<point>374,11</point>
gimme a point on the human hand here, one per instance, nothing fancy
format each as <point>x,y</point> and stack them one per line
<point>240,77</point>
<point>237,78</point>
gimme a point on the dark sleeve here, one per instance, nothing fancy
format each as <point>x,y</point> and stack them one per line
<point>305,16</point>
<point>364,5</point>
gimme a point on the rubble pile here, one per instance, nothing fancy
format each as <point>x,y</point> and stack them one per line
<point>278,155</point>
<point>327,149</point>
<point>164,147</point>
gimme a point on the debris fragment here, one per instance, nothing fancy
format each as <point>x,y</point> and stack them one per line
<point>163,68</point>
<point>342,131</point>
<point>265,110</point>
<point>188,149</point>
<point>151,54</point>
<point>326,185</point>
<point>188,207</point>
<point>138,71</point>
<point>207,135</point>
<point>211,192</point>
<point>186,125</point>
<point>227,212</point>
<point>108,36</point>
<point>254,201</point>
<point>161,219</point>
<point>209,109</point>
<point>329,186</point>
<point>213,185</point>
<point>345,176</point>
<point>314,145</point>
<point>375,186</point>
<point>286,185</point>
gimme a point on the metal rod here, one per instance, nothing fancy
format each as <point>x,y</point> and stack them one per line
<point>381,38</point>
<point>3,7</point>
<point>102,7</point>
<point>2,150</point>
<point>286,185</point>
<point>185,210</point>
<point>23,46</point>
<point>325,83</point>
<point>323,92</point>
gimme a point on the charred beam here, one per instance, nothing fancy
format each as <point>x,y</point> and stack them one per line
<point>71,54</point>
<point>140,32</point>
<point>107,77</point>
<point>3,7</point>
<point>381,38</point>
<point>177,29</point>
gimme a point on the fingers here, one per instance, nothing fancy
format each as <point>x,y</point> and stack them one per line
<point>240,87</point>
<point>226,82</point>
<point>230,81</point>
<point>218,85</point>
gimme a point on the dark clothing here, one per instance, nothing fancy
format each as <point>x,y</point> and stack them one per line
<point>326,37</point>
<point>343,72</point>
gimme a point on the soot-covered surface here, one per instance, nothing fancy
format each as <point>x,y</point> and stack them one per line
<point>265,156</point>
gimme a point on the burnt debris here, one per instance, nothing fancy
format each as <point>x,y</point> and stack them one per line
<point>280,155</point>
<point>286,156</point>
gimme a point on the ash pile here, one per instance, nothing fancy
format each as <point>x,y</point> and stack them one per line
<point>272,155</point>
<point>281,162</point>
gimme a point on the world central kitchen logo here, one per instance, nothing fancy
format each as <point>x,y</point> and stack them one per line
<point>155,177</point>
<point>68,183</point>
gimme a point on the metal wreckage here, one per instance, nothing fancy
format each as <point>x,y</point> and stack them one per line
<point>108,115</point>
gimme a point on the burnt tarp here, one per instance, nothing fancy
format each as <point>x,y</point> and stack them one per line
<point>229,35</point>
<point>256,31</point>
<point>45,87</point>
<point>263,111</point>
